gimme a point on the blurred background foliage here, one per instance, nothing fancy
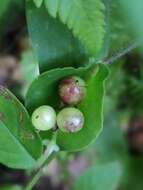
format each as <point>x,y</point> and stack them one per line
<point>121,140</point>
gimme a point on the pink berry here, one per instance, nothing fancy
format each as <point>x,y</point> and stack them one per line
<point>72,90</point>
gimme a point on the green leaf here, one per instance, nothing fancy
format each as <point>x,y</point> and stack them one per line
<point>53,43</point>
<point>103,53</point>
<point>19,144</point>
<point>100,177</point>
<point>15,187</point>
<point>119,35</point>
<point>133,11</point>
<point>29,69</point>
<point>38,3</point>
<point>133,174</point>
<point>111,145</point>
<point>44,91</point>
<point>4,4</point>
<point>85,18</point>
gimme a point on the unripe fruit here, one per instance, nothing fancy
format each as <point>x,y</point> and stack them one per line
<point>72,90</point>
<point>70,120</point>
<point>44,118</point>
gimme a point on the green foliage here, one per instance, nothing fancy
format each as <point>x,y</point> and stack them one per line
<point>85,18</point>
<point>29,69</point>
<point>63,38</point>
<point>19,144</point>
<point>4,4</point>
<point>133,11</point>
<point>134,92</point>
<point>100,177</point>
<point>120,36</point>
<point>69,38</point>
<point>15,187</point>
<point>53,43</point>
<point>112,140</point>
<point>133,174</point>
<point>38,3</point>
<point>91,106</point>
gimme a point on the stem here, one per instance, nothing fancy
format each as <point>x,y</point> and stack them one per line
<point>34,180</point>
<point>45,159</point>
<point>38,175</point>
<point>122,52</point>
<point>51,147</point>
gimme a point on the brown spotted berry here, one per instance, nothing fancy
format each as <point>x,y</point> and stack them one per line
<point>72,90</point>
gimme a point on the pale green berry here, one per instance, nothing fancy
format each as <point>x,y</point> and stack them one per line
<point>70,120</point>
<point>44,118</point>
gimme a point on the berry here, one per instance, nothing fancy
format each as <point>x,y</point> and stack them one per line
<point>72,90</point>
<point>70,120</point>
<point>44,118</point>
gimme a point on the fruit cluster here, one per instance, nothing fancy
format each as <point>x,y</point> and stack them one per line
<point>70,119</point>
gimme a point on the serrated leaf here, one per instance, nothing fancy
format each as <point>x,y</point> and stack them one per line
<point>53,43</point>
<point>100,177</point>
<point>19,144</point>
<point>52,7</point>
<point>85,18</point>
<point>91,106</point>
<point>38,3</point>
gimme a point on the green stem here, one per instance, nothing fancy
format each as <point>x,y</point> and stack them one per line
<point>48,155</point>
<point>34,180</point>
<point>51,147</point>
<point>39,173</point>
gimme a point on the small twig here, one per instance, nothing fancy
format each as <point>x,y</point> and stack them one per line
<point>48,155</point>
<point>122,52</point>
<point>38,175</point>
